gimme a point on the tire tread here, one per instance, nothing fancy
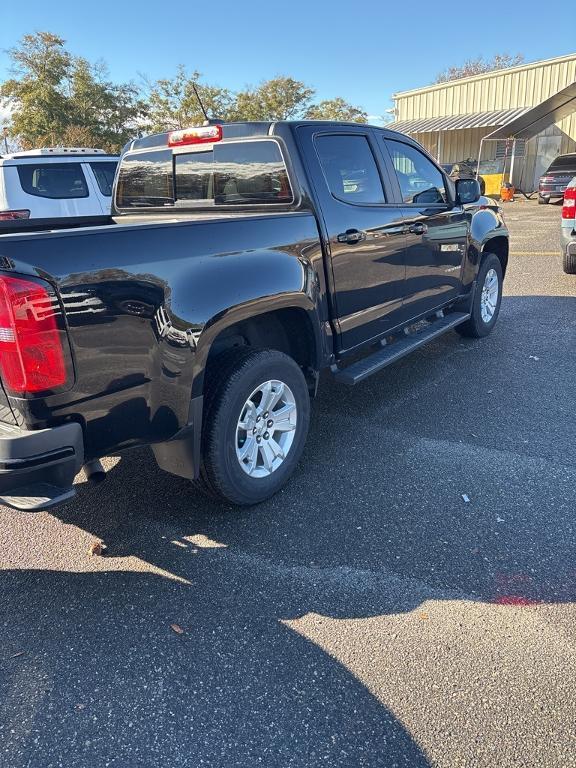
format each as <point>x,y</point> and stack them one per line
<point>222,378</point>
<point>569,263</point>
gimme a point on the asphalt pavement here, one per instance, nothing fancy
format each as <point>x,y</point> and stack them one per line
<point>407,600</point>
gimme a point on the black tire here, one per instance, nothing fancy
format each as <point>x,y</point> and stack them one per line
<point>231,379</point>
<point>476,327</point>
<point>543,200</point>
<point>569,263</point>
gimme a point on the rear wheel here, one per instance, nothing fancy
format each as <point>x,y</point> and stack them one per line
<point>543,200</point>
<point>487,299</point>
<point>255,426</point>
<point>569,263</point>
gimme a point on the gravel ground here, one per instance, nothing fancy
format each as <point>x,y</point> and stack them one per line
<point>366,616</point>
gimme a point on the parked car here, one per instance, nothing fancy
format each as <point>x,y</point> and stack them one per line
<point>240,261</point>
<point>568,229</point>
<point>464,169</point>
<point>56,182</point>
<point>554,182</point>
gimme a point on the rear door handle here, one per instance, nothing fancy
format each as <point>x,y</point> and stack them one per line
<point>418,229</point>
<point>351,236</point>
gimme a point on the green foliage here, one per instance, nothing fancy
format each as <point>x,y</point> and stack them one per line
<point>281,98</point>
<point>57,99</point>
<point>40,107</point>
<point>479,66</point>
<point>173,104</point>
<point>336,109</point>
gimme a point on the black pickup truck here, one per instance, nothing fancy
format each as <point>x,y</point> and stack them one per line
<point>240,261</point>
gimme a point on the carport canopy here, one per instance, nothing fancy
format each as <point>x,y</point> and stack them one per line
<point>457,122</point>
<point>536,119</point>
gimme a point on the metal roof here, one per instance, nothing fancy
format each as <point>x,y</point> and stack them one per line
<point>459,122</point>
<point>493,73</point>
<point>540,117</point>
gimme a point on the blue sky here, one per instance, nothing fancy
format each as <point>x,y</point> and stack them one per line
<point>363,51</point>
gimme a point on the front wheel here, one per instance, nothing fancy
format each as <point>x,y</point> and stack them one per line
<point>487,299</point>
<point>256,423</point>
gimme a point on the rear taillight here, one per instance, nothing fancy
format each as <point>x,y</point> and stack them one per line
<point>569,205</point>
<point>32,356</point>
<point>14,215</point>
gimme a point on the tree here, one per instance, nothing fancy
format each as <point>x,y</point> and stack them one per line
<point>336,109</point>
<point>39,107</point>
<point>108,112</point>
<point>57,99</point>
<point>281,98</point>
<point>479,66</point>
<point>172,102</point>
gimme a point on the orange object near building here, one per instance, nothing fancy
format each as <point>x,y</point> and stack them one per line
<point>507,191</point>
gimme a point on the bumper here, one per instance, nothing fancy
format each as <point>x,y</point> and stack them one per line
<point>551,195</point>
<point>37,468</point>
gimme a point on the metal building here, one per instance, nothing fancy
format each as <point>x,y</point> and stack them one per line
<point>518,118</point>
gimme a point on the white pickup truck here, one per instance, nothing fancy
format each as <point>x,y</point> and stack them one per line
<point>56,182</point>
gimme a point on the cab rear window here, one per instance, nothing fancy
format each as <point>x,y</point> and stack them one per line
<point>61,181</point>
<point>235,173</point>
<point>146,180</point>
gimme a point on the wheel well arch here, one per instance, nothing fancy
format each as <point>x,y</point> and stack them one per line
<point>287,329</point>
<point>498,246</point>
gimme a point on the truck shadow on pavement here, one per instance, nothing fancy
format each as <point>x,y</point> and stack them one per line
<point>373,524</point>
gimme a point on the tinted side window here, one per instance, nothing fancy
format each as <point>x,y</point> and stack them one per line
<point>146,179</point>
<point>234,173</point>
<point>350,168</point>
<point>420,181</point>
<point>104,173</point>
<point>61,181</point>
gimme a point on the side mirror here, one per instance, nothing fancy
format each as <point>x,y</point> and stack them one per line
<point>467,191</point>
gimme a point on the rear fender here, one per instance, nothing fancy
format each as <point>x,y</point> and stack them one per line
<point>249,310</point>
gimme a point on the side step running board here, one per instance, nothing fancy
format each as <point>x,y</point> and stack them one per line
<point>390,353</point>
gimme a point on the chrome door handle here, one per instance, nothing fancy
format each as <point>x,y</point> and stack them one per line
<point>351,236</point>
<point>418,229</point>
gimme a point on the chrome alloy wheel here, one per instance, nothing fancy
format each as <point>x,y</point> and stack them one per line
<point>266,428</point>
<point>489,297</point>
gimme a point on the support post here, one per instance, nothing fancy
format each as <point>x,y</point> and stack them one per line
<point>512,156</point>
<point>479,157</point>
<point>440,147</point>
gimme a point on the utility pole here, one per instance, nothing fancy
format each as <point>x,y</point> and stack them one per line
<point>5,132</point>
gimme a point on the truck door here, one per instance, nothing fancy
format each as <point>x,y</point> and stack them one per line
<point>364,231</point>
<point>436,230</point>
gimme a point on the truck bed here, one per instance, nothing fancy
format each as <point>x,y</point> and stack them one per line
<point>137,294</point>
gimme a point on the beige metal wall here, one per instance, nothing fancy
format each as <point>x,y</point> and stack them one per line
<point>457,145</point>
<point>523,86</point>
